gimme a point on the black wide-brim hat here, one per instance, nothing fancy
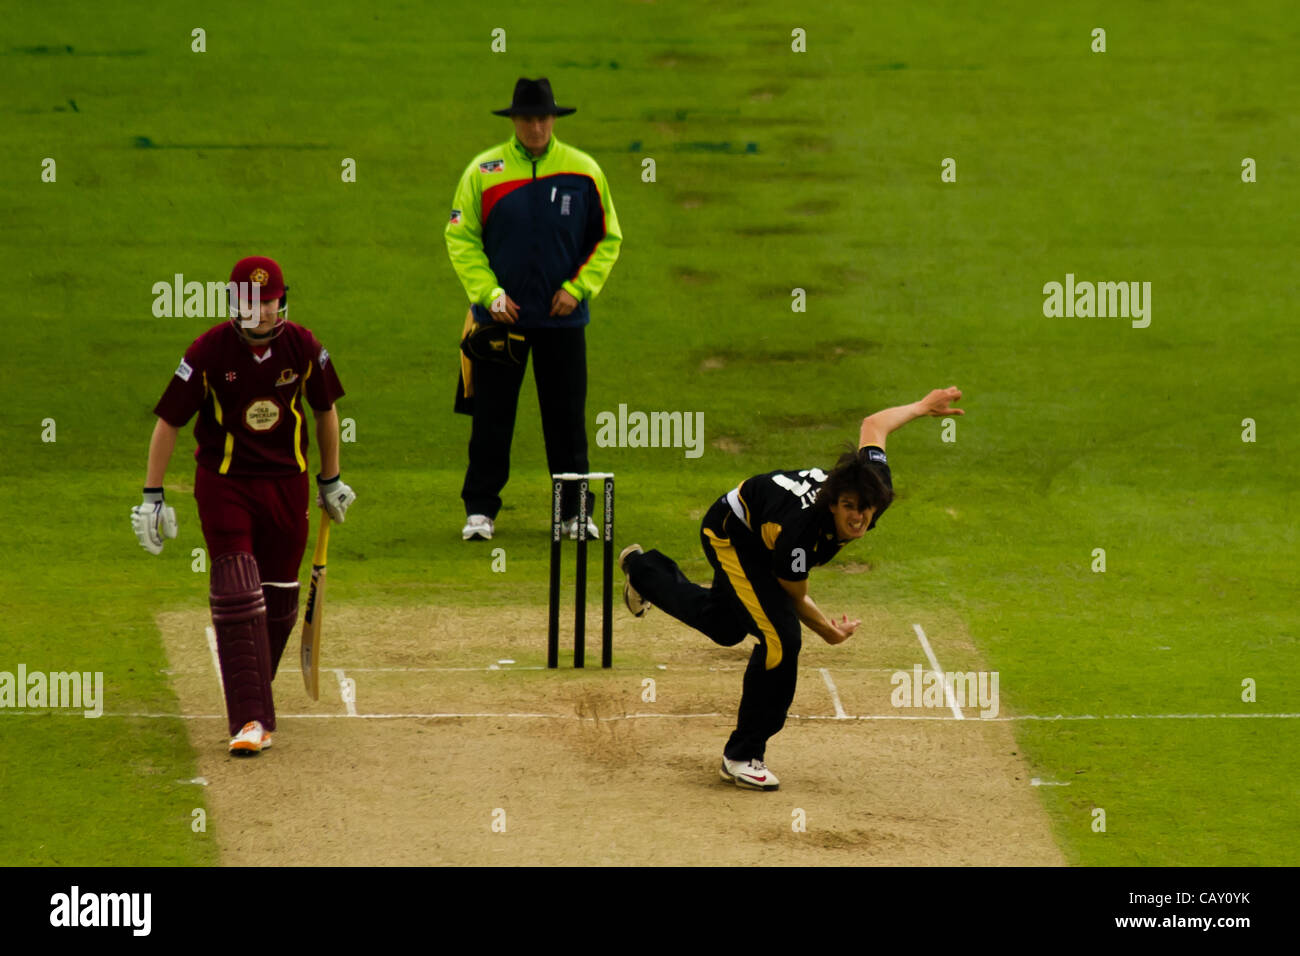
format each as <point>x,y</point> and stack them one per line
<point>534,98</point>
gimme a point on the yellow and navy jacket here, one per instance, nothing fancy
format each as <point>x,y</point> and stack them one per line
<point>778,509</point>
<point>530,225</point>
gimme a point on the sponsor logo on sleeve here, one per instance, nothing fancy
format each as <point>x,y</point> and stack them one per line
<point>455,217</point>
<point>183,371</point>
<point>324,356</point>
<point>492,166</point>
<point>875,454</point>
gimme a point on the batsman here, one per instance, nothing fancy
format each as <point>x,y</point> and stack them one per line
<point>763,538</point>
<point>246,379</point>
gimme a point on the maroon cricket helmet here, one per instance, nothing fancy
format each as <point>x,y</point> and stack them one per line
<point>264,273</point>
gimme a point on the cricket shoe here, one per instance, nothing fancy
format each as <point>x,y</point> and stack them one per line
<point>634,601</point>
<point>569,529</point>
<point>748,774</point>
<point>253,739</point>
<point>477,528</point>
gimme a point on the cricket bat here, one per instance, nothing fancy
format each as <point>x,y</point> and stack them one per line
<point>311,621</point>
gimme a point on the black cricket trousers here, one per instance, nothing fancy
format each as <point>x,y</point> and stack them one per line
<point>745,599</point>
<point>559,357</point>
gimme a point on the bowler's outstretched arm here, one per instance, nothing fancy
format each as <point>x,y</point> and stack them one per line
<point>937,403</point>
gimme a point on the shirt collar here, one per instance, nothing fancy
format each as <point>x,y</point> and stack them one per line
<point>528,157</point>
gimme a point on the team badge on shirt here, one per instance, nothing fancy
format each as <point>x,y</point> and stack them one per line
<point>455,217</point>
<point>287,377</point>
<point>492,166</point>
<point>262,415</point>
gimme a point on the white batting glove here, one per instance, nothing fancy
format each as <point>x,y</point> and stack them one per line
<point>334,497</point>
<point>153,520</point>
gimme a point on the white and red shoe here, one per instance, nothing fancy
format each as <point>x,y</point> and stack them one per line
<point>749,774</point>
<point>253,739</point>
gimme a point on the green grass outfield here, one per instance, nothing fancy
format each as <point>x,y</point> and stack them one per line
<point>1079,434</point>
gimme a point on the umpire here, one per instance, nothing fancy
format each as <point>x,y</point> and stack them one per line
<point>532,237</point>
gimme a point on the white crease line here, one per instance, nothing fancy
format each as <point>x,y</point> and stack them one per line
<point>934,664</point>
<point>446,716</point>
<point>835,694</point>
<point>1144,717</point>
<point>442,670</point>
<point>492,715</point>
<point>541,667</point>
<point>981,720</point>
<point>347,690</point>
<point>211,635</point>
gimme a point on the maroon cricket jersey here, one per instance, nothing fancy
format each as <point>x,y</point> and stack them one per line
<point>251,417</point>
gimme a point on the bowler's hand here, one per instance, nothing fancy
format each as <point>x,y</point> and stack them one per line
<point>939,402</point>
<point>562,303</point>
<point>844,629</point>
<point>505,309</point>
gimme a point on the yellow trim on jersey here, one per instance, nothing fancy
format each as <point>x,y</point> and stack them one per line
<point>297,429</point>
<point>741,499</point>
<point>230,436</point>
<point>297,420</point>
<point>730,562</point>
<point>771,531</point>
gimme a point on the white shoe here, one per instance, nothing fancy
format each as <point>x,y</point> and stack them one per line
<point>249,741</point>
<point>634,601</point>
<point>477,528</point>
<point>570,530</point>
<point>749,774</point>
